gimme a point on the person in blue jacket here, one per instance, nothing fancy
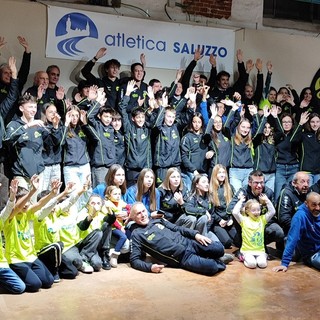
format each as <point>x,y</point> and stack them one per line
<point>304,234</point>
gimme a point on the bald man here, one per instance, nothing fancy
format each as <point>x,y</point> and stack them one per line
<point>291,197</point>
<point>304,234</point>
<point>176,246</point>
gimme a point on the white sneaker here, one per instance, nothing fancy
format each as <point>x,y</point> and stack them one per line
<point>86,268</point>
<point>114,258</point>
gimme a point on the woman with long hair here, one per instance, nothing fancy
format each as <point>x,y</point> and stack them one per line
<point>309,154</point>
<point>173,196</point>
<point>145,191</point>
<point>114,177</point>
<point>198,207</point>
<point>220,195</point>
<point>286,142</point>
<point>194,150</point>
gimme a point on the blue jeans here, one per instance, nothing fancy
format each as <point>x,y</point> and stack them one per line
<point>34,274</point>
<point>284,174</point>
<point>11,281</point>
<point>98,175</point>
<point>50,173</point>
<point>238,177</point>
<point>187,178</point>
<point>269,180</point>
<point>203,259</point>
<point>313,178</point>
<point>121,239</point>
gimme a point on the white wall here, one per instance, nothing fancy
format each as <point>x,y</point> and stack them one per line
<point>295,57</point>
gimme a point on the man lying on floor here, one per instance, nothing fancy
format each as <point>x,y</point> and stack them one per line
<point>175,246</point>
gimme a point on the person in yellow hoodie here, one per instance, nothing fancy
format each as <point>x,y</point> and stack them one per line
<point>9,280</point>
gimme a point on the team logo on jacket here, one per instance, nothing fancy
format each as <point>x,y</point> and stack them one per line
<point>71,29</point>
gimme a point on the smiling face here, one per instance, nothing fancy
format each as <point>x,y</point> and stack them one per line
<point>224,82</point>
<point>139,214</point>
<point>51,112</point>
<point>314,123</point>
<point>42,79</point>
<point>267,130</point>
<point>138,73</point>
<point>313,203</point>
<point>217,123</point>
<point>75,117</point>
<point>248,92</point>
<point>179,89</point>
<point>254,211</point>
<point>169,117</point>
<point>29,110</point>
<point>257,185</point>
<point>307,95</point>
<point>244,128</point>
<point>287,123</point>
<point>301,183</point>
<point>106,118</point>
<point>139,119</point>
<point>113,71</point>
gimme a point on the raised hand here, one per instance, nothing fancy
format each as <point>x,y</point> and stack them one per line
<point>101,52</point>
<point>197,54</point>
<point>60,93</point>
<point>213,60</point>
<point>131,86</point>
<point>13,67</point>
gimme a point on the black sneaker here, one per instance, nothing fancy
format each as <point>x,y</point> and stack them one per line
<point>106,264</point>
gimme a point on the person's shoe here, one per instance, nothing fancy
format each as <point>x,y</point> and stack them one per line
<point>114,258</point>
<point>239,255</point>
<point>56,278</point>
<point>106,263</point>
<point>226,258</point>
<point>86,268</point>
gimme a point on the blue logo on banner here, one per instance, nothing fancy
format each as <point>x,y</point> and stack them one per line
<point>72,28</point>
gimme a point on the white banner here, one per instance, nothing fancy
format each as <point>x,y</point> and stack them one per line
<point>77,35</point>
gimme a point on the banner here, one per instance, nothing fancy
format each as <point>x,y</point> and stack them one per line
<point>77,35</point>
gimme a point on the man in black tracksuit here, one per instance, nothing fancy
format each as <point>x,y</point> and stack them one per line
<point>176,246</point>
<point>291,197</point>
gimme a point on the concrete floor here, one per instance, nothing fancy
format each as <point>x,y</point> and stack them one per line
<point>124,293</point>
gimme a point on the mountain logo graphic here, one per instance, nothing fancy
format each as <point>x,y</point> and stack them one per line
<point>71,29</point>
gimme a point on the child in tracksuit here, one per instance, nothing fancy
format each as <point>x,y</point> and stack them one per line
<point>102,152</point>
<point>167,151</point>
<point>137,137</point>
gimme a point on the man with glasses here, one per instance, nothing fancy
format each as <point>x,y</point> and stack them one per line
<point>254,189</point>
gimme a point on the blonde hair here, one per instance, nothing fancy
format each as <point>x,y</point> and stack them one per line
<point>247,207</point>
<point>166,182</point>
<point>238,139</point>
<point>109,191</point>
<point>215,184</point>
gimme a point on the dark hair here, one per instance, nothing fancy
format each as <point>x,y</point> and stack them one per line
<point>103,110</point>
<point>134,65</point>
<point>21,192</point>
<point>153,81</point>
<point>137,111</point>
<point>27,97</point>
<point>53,66</point>
<point>42,194</point>
<point>198,115</point>
<point>111,62</point>
<point>222,74</point>
<point>255,173</point>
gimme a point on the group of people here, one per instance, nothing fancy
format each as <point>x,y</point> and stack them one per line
<point>182,172</point>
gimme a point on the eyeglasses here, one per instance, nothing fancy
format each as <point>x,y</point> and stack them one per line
<point>257,182</point>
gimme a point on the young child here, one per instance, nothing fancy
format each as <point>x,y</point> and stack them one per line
<point>115,204</point>
<point>253,225</point>
<point>102,151</point>
<point>137,137</point>
<point>118,138</point>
